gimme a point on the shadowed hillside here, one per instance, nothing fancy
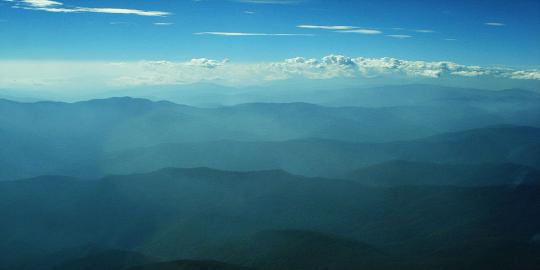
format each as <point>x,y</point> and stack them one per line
<point>176,214</point>
<point>395,173</point>
<point>189,265</point>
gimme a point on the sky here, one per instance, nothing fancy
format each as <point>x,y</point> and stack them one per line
<point>259,40</point>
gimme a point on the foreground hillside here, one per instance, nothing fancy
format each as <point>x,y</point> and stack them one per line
<point>399,172</point>
<point>265,220</point>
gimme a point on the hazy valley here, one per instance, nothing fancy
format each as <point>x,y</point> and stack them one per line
<point>426,179</point>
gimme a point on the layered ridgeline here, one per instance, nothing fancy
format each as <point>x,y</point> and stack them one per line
<point>209,219</point>
<point>513,150</point>
<point>212,95</point>
<point>479,149</point>
<point>411,177</point>
<point>125,135</point>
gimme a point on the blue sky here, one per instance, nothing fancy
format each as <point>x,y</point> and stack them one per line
<point>61,45</point>
<point>460,33</point>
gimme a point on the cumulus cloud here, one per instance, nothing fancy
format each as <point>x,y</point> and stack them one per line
<point>526,75</point>
<point>328,67</point>
<point>59,7</point>
<point>331,66</point>
<point>57,75</point>
<point>207,63</point>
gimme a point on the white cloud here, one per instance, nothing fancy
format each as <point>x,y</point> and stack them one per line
<point>207,63</point>
<point>163,23</point>
<point>399,36</point>
<point>526,75</point>
<point>363,31</point>
<point>494,24</point>
<point>326,27</point>
<point>424,31</point>
<point>58,7</point>
<point>342,29</point>
<point>243,34</point>
<point>122,11</point>
<point>105,75</point>
<point>41,3</point>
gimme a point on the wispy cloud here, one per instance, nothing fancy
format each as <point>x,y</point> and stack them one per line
<point>365,31</point>
<point>163,23</point>
<point>59,7</point>
<point>243,34</point>
<point>424,31</point>
<point>400,36</point>
<point>362,31</point>
<point>249,12</point>
<point>326,27</point>
<point>418,30</point>
<point>494,24</point>
<point>40,3</point>
<point>342,29</point>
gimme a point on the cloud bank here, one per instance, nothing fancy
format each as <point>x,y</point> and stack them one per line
<point>52,75</point>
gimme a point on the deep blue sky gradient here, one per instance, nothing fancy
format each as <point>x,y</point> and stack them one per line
<point>33,34</point>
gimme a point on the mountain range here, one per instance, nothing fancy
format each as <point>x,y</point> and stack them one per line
<point>393,177</point>
<point>83,138</point>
